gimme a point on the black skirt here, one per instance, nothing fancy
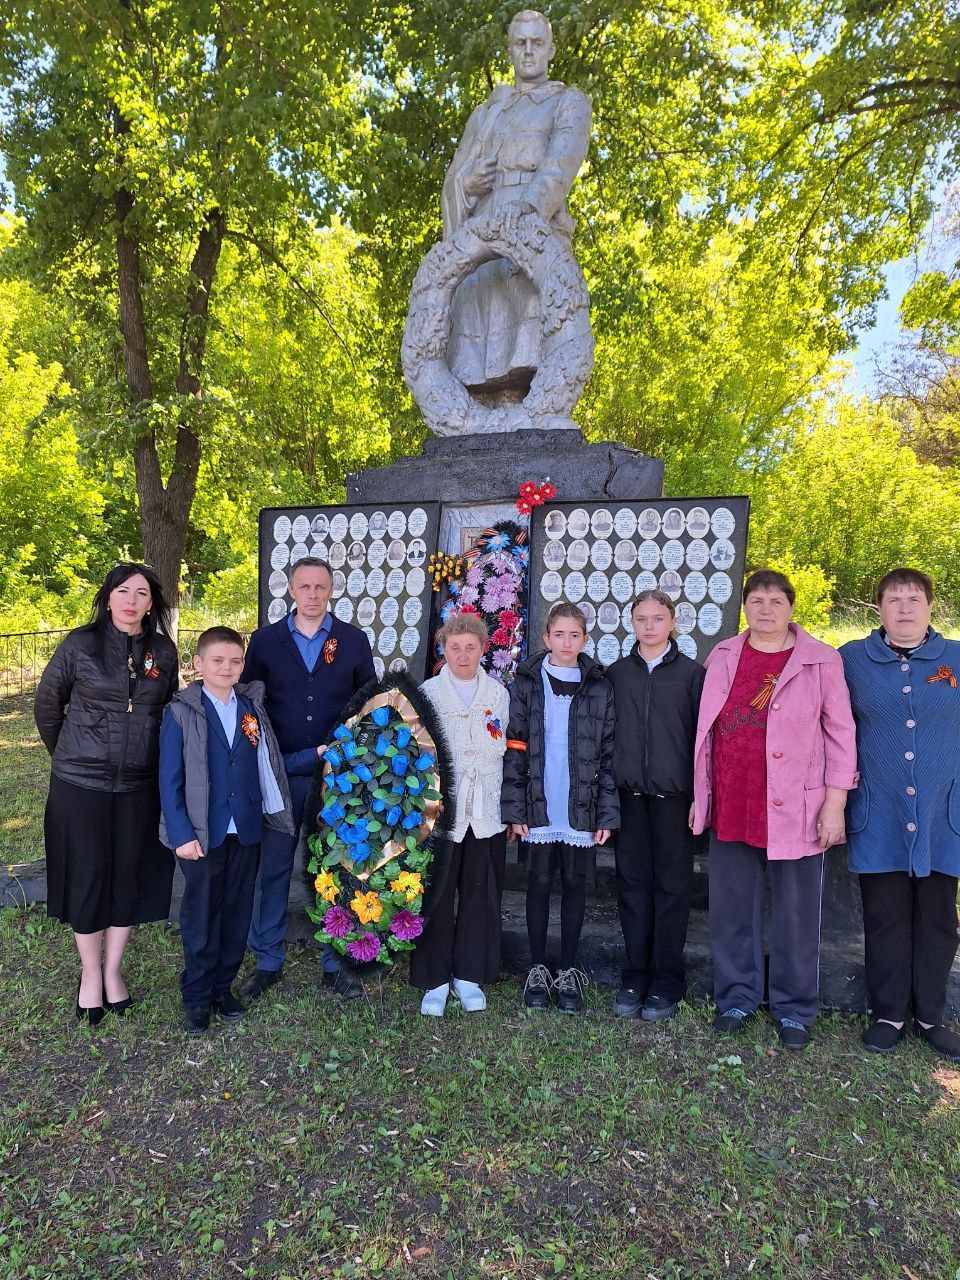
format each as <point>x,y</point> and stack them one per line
<point>106,867</point>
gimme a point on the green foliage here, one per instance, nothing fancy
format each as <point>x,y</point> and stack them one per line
<point>853,499</point>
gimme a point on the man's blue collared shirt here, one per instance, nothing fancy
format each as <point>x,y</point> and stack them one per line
<point>310,646</point>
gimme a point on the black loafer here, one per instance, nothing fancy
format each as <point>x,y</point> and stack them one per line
<point>346,984</point>
<point>229,1007</point>
<point>730,1023</point>
<point>196,1019</point>
<point>628,1003</point>
<point>260,980</point>
<point>794,1035</point>
<point>882,1037</point>
<point>658,1009</point>
<point>941,1040</point>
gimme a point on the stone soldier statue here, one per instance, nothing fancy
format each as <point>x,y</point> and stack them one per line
<point>521,150</point>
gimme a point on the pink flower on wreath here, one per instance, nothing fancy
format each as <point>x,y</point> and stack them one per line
<point>508,618</point>
<point>501,637</point>
<point>364,948</point>
<point>468,608</point>
<point>407,926</point>
<point>337,922</point>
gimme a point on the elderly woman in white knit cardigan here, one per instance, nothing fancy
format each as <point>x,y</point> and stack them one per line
<point>462,937</point>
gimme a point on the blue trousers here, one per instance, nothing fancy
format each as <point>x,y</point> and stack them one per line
<point>268,928</point>
<point>214,918</point>
<point>737,875</point>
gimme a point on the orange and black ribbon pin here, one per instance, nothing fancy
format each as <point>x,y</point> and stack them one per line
<point>943,673</point>
<point>764,693</point>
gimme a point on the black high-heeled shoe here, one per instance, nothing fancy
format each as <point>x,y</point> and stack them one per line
<point>119,1007</point>
<point>95,1015</point>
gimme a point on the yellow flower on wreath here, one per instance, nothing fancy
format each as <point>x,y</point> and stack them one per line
<point>408,883</point>
<point>326,886</point>
<point>367,907</point>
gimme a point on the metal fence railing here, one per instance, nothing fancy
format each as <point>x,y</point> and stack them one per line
<point>24,654</point>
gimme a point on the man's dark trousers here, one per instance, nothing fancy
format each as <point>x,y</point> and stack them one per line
<point>277,857</point>
<point>214,918</point>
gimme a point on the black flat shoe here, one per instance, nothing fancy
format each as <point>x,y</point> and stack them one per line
<point>659,1009</point>
<point>628,1003</point>
<point>94,1016</point>
<point>942,1041</point>
<point>229,1007</point>
<point>196,1019</point>
<point>794,1035</point>
<point>260,980</point>
<point>730,1023</point>
<point>882,1037</point>
<point>347,985</point>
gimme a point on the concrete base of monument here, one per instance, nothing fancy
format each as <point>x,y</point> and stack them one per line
<point>485,468</point>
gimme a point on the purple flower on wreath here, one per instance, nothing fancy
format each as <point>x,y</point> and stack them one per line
<point>364,948</point>
<point>474,574</point>
<point>337,922</point>
<point>469,595</point>
<point>406,926</point>
<point>501,659</point>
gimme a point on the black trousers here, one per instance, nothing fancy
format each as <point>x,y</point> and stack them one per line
<point>462,936</point>
<point>543,860</point>
<point>910,939</point>
<point>654,857</point>
<point>737,881</point>
<point>215,917</point>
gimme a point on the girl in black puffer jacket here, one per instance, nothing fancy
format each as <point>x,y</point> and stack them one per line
<point>558,792</point>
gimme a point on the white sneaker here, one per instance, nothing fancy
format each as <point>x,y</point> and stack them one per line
<point>470,995</point>
<point>435,1001</point>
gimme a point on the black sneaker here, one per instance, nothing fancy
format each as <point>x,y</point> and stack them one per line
<point>229,1007</point>
<point>569,990</point>
<point>260,980</point>
<point>628,1003</point>
<point>658,1009</point>
<point>536,991</point>
<point>882,1037</point>
<point>942,1041</point>
<point>730,1023</point>
<point>346,984</point>
<point>196,1019</point>
<point>794,1035</point>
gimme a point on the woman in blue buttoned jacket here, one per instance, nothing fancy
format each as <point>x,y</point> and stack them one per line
<point>903,823</point>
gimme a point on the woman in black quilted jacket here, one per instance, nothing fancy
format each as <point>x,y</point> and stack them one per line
<point>558,791</point>
<point>98,709</point>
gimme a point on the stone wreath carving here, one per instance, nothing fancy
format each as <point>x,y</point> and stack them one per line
<point>546,259</point>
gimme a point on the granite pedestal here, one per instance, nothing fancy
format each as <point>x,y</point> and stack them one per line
<point>489,468</point>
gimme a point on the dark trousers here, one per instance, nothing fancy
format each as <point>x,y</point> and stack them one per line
<point>654,856</point>
<point>543,860</point>
<point>910,939</point>
<point>737,878</point>
<point>214,918</point>
<point>268,928</point>
<point>462,937</point>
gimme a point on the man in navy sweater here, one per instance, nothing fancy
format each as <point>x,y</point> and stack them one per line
<point>311,665</point>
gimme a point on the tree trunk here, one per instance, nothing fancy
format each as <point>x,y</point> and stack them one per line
<point>165,509</point>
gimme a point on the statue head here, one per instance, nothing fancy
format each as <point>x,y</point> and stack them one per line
<point>530,41</point>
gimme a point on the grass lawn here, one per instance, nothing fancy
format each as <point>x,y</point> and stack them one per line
<point>316,1140</point>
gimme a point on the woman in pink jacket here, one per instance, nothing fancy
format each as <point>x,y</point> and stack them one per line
<point>775,757</point>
